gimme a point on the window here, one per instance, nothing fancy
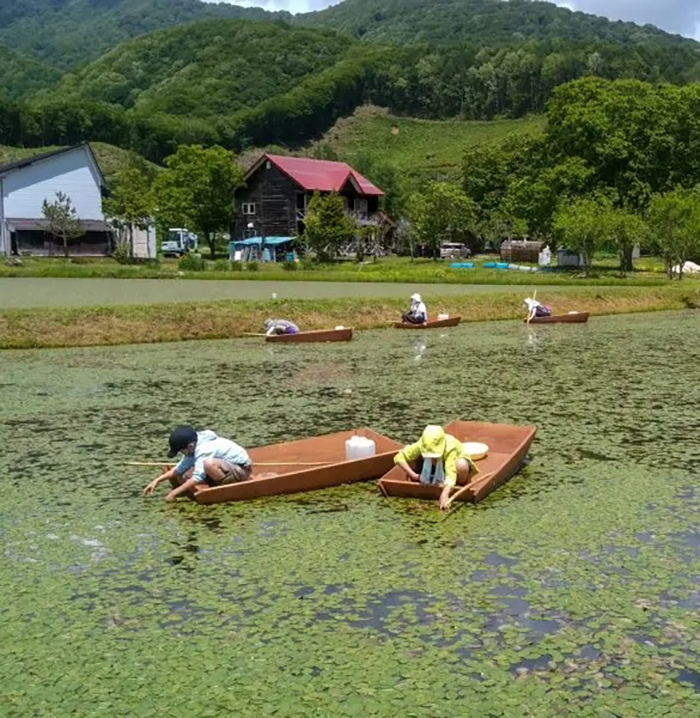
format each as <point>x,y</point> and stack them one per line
<point>361,206</point>
<point>248,208</point>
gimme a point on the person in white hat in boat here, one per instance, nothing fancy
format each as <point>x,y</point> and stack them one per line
<point>417,312</point>
<point>445,462</point>
<point>280,326</point>
<point>208,460</point>
<point>535,309</point>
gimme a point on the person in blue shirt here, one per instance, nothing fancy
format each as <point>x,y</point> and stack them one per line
<point>208,460</point>
<point>280,326</point>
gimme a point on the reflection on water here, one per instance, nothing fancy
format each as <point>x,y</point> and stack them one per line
<point>584,565</point>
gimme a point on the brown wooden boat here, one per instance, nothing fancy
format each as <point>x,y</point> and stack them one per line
<point>305,465</point>
<point>430,324</point>
<point>316,335</point>
<point>508,446</point>
<point>575,318</point>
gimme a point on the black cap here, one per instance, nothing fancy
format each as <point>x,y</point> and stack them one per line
<point>181,437</point>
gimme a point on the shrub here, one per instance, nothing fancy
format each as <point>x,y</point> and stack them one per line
<point>236,266</point>
<point>290,266</point>
<point>122,253</point>
<point>252,266</point>
<point>191,263</point>
<point>222,265</point>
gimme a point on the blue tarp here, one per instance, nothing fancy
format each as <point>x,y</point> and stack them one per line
<point>259,241</point>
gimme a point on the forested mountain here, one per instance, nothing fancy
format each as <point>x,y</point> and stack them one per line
<point>69,32</point>
<point>21,74</point>
<point>212,67</point>
<point>485,22</point>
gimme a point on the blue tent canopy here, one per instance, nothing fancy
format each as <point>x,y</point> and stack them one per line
<point>259,241</point>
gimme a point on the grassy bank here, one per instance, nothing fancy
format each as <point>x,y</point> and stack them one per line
<point>421,149</point>
<point>388,269</point>
<point>225,319</point>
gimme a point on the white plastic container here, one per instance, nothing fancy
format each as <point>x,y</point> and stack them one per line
<point>359,447</point>
<point>442,317</point>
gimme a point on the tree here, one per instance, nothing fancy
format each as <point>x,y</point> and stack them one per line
<point>577,225</point>
<point>327,226</point>
<point>442,213</point>
<point>675,220</point>
<point>196,190</point>
<point>130,202</point>
<point>625,230</point>
<point>63,219</point>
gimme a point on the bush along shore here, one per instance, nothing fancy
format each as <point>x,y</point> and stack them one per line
<point>93,326</point>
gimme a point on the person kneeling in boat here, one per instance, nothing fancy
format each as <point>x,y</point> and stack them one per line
<point>417,312</point>
<point>280,326</point>
<point>444,461</point>
<point>208,460</point>
<point>535,309</point>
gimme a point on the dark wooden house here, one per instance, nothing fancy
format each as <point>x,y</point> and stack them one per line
<point>278,190</point>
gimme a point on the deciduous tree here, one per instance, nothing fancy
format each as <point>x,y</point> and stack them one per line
<point>196,190</point>
<point>327,226</point>
<point>441,213</point>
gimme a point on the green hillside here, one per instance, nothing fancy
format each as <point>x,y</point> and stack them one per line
<point>69,32</point>
<point>483,22</point>
<point>111,159</point>
<point>21,74</point>
<point>207,68</point>
<point>417,148</point>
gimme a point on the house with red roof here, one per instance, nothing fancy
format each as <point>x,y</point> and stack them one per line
<point>278,190</point>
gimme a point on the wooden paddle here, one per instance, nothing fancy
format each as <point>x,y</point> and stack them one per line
<point>253,334</point>
<point>465,488</point>
<point>530,314</point>
<point>256,463</point>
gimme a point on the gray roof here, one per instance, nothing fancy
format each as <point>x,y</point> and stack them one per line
<point>27,161</point>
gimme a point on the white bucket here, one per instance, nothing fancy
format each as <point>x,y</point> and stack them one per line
<point>442,317</point>
<point>475,450</point>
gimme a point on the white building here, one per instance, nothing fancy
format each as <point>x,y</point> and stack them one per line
<point>25,184</point>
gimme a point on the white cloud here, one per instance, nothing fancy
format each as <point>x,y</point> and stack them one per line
<point>293,6</point>
<point>679,16</point>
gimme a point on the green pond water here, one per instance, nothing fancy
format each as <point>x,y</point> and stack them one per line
<point>25,293</point>
<point>572,591</point>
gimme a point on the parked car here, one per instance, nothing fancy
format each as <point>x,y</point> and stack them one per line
<point>454,250</point>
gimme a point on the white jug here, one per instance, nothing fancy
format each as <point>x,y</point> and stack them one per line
<point>359,447</point>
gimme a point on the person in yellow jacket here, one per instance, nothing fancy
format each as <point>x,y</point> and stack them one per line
<point>444,461</point>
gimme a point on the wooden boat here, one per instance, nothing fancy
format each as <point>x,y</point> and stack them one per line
<point>305,465</point>
<point>574,318</point>
<point>430,324</point>
<point>316,335</point>
<point>508,447</point>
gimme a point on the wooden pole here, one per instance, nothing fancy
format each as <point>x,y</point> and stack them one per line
<point>464,489</point>
<point>256,463</point>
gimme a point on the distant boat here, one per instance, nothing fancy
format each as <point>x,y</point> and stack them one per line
<point>570,318</point>
<point>430,324</point>
<point>343,334</point>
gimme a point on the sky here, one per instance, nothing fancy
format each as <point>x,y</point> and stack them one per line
<point>679,16</point>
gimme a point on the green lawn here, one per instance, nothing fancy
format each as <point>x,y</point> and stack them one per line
<point>388,269</point>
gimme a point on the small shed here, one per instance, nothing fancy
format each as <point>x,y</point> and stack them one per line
<point>521,250</point>
<point>260,249</point>
<point>569,258</point>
